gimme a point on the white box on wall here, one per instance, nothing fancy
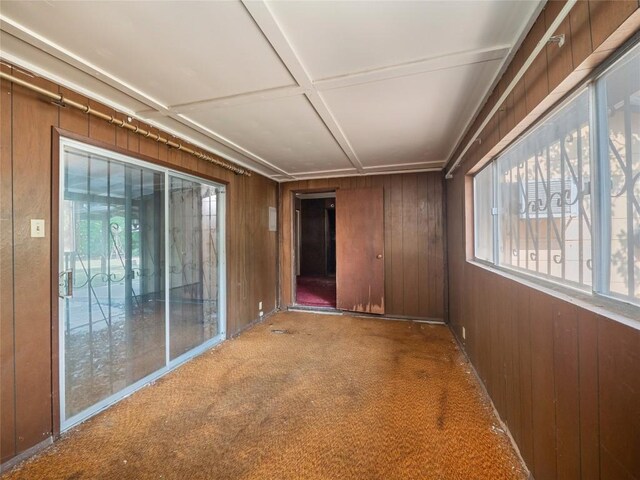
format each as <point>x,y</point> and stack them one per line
<point>273,219</point>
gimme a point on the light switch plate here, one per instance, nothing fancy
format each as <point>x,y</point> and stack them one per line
<point>273,219</point>
<point>37,228</point>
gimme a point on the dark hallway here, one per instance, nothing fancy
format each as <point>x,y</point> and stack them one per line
<point>316,271</point>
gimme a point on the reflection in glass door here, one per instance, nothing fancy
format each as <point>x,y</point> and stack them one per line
<point>125,319</point>
<point>194,264</point>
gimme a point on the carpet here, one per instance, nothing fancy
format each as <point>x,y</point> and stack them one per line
<point>316,291</point>
<point>299,396</point>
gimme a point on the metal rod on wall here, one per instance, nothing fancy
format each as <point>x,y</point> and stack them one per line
<point>62,101</point>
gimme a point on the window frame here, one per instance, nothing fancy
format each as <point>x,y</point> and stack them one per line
<point>599,290</point>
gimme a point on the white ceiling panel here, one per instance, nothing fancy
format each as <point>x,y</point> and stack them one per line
<point>336,38</point>
<point>293,89</point>
<point>285,129</point>
<point>412,119</point>
<point>177,52</point>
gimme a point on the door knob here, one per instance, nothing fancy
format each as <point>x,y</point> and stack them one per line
<point>379,255</point>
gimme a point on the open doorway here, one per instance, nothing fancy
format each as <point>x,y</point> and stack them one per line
<point>315,252</point>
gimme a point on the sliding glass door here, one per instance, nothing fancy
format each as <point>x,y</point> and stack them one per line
<point>125,317</point>
<point>193,279</point>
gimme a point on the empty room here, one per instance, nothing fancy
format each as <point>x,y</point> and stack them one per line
<point>320,239</point>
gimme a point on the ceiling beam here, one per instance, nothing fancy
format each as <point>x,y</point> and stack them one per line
<point>233,100</point>
<point>265,20</point>
<point>31,38</point>
<point>339,173</point>
<point>441,62</point>
<point>412,165</point>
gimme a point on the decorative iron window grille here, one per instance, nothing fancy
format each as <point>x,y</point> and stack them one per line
<point>546,190</point>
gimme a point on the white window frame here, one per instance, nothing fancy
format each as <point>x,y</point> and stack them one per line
<point>66,423</point>
<point>599,190</point>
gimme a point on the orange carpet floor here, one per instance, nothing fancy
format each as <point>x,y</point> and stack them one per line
<point>300,396</point>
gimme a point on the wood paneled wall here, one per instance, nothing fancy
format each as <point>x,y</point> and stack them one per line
<point>566,381</point>
<point>414,239</point>
<point>26,386</point>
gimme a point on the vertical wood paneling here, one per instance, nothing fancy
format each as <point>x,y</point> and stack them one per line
<point>525,366</point>
<point>99,129</point>
<point>7,379</point>
<point>559,59</point>
<point>519,102</point>
<point>388,260</point>
<point>31,136</point>
<point>543,386</point>
<point>410,280</point>
<point>426,250</point>
<point>122,138</point>
<point>494,350</point>
<point>482,339</point>
<point>396,305</point>
<point>514,399</point>
<point>607,16</point>
<point>72,119</point>
<point>535,78</point>
<point>581,46</point>
<point>502,347</point>
<point>588,394</point>
<point>133,140</point>
<point>151,148</point>
<point>567,387</point>
<point>438,299</point>
<point>619,400</point>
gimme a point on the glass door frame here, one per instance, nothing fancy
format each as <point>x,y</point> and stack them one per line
<point>64,141</point>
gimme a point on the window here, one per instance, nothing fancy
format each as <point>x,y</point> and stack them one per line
<point>618,93</point>
<point>550,207</point>
<point>543,198</point>
<point>483,213</point>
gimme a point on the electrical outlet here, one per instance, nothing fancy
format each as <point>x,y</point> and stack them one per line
<point>259,305</point>
<point>261,313</point>
<point>464,334</point>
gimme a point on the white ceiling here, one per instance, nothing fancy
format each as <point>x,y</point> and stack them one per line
<point>290,89</point>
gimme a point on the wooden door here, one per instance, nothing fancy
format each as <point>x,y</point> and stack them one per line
<point>360,250</point>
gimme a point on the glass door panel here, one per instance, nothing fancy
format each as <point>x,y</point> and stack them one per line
<point>194,256</point>
<point>123,320</point>
<point>113,317</point>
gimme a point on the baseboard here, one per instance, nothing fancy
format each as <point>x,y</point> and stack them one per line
<point>21,457</point>
<point>253,323</point>
<point>310,309</point>
<point>399,318</point>
<point>503,425</point>
<point>333,311</point>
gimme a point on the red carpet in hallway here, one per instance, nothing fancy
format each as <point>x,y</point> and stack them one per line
<point>316,291</point>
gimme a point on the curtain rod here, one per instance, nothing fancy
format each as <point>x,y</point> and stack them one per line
<point>546,38</point>
<point>62,101</point>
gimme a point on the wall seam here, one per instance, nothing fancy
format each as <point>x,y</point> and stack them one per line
<point>533,443</point>
<point>13,270</point>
